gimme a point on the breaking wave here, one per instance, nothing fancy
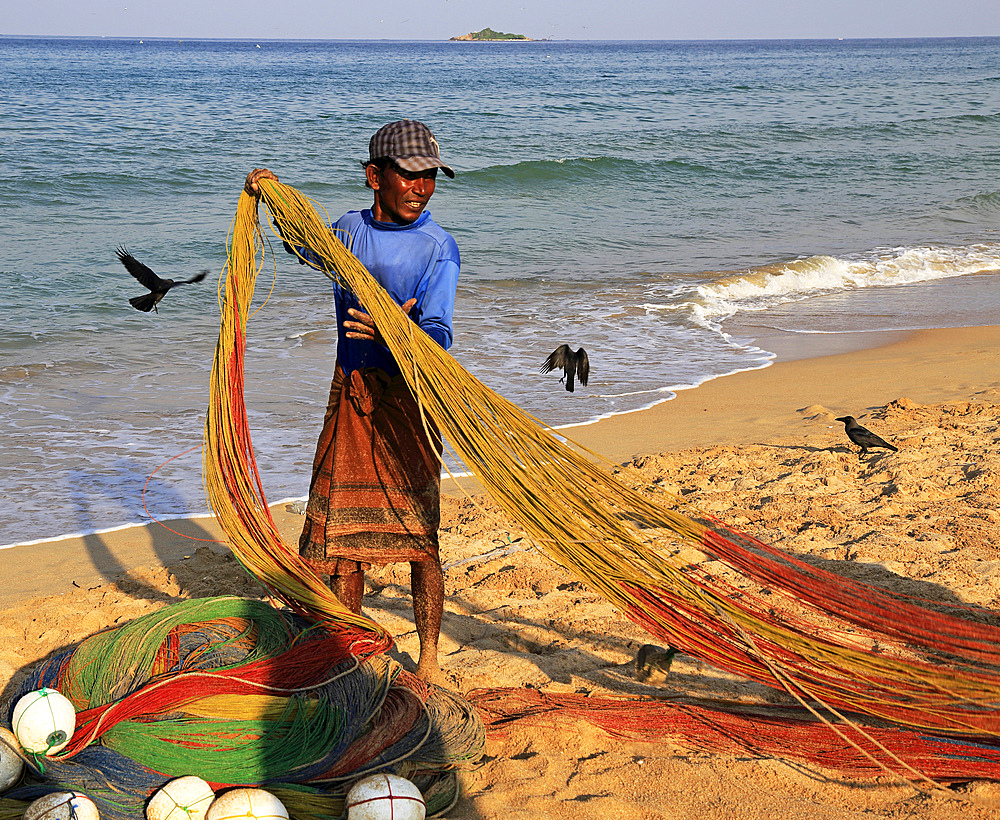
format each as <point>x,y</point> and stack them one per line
<point>776,284</point>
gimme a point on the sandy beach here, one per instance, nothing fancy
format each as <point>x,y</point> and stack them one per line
<point>760,450</point>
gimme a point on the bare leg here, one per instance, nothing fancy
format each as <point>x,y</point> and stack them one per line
<point>427,584</point>
<point>349,589</point>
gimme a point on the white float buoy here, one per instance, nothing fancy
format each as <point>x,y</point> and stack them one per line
<point>43,721</point>
<point>183,798</point>
<point>385,796</point>
<point>62,806</point>
<point>247,803</point>
<point>11,764</point>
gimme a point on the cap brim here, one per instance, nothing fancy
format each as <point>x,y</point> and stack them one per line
<point>418,164</point>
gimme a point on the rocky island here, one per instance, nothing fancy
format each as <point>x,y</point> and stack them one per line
<point>488,34</point>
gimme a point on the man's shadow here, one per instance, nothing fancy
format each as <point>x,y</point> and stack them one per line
<point>122,486</point>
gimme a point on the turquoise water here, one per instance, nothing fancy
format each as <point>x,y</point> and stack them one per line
<point>663,205</point>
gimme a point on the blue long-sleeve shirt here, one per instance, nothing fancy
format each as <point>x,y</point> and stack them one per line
<point>419,260</point>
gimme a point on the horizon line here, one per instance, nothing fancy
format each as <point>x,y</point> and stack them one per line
<point>246,39</point>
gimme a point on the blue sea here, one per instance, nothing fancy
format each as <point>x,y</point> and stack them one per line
<point>669,206</point>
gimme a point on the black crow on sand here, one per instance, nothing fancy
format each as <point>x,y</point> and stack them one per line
<point>157,287</point>
<point>862,436</point>
<point>562,358</point>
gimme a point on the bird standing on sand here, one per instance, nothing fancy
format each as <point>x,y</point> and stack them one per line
<point>862,436</point>
<point>157,287</point>
<point>652,663</point>
<point>570,363</point>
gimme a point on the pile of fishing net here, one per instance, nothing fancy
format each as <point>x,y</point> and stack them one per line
<point>239,693</point>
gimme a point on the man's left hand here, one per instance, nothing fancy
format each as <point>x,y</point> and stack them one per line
<point>364,326</point>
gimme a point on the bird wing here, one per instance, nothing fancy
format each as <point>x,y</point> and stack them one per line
<point>558,358</point>
<point>193,279</point>
<point>145,276</point>
<point>857,435</point>
<point>145,303</point>
<point>582,366</point>
<point>862,436</point>
<point>866,438</point>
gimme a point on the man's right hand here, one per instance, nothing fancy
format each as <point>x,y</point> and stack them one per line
<point>251,186</point>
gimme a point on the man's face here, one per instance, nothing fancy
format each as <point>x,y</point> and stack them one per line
<point>400,196</point>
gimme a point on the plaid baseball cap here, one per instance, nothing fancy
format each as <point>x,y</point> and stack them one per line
<point>408,143</point>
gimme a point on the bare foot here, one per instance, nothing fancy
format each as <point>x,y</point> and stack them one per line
<point>430,673</point>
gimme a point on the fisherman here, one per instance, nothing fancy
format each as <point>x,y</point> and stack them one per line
<point>375,491</point>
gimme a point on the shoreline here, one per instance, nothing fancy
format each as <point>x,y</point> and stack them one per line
<point>778,402</point>
<point>778,340</point>
<point>925,366</point>
<point>782,342</point>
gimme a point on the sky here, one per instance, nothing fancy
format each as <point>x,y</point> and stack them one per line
<point>538,19</point>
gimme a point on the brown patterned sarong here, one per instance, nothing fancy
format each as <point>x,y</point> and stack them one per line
<point>376,486</point>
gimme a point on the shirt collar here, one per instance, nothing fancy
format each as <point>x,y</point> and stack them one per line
<point>392,226</point>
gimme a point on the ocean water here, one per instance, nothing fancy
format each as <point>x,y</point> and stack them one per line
<point>665,205</point>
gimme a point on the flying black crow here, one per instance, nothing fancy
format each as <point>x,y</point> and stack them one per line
<point>570,363</point>
<point>862,436</point>
<point>157,287</point>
